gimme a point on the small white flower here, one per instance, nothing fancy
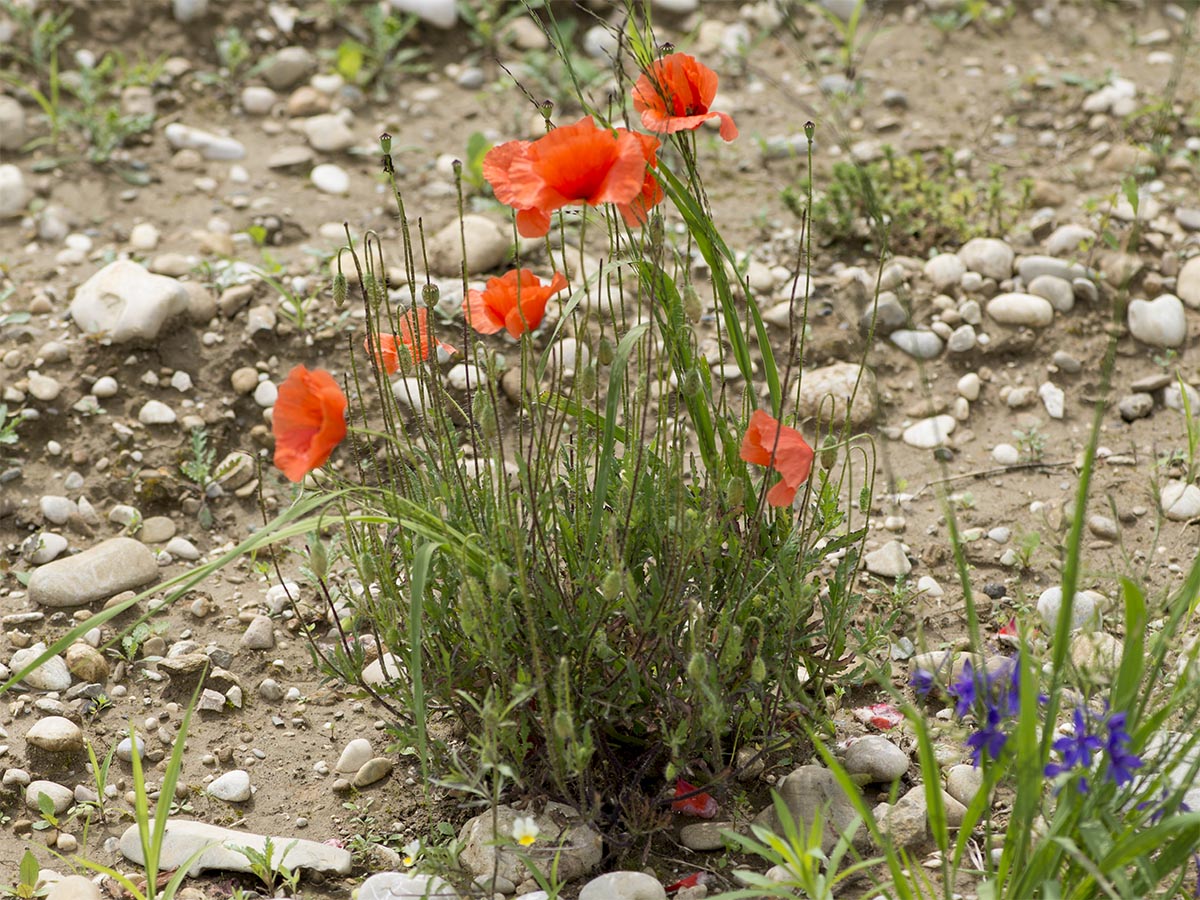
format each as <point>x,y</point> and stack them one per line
<point>525,830</point>
<point>411,851</point>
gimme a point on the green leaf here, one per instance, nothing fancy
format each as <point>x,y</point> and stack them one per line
<point>350,58</point>
<point>30,868</point>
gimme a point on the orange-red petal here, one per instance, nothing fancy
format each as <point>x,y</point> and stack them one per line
<point>675,95</point>
<point>767,443</point>
<point>309,421</point>
<point>515,301</point>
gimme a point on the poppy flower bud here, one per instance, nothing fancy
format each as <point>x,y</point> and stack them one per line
<point>498,580</point>
<point>758,669</point>
<point>809,130</point>
<point>430,294</point>
<point>586,381</point>
<point>735,491</point>
<point>604,352</point>
<point>546,107</point>
<point>611,587</point>
<point>829,451</point>
<point>485,415</point>
<point>692,383</point>
<point>339,290</point>
<point>318,560</point>
<point>697,668</point>
<point>693,308</point>
<point>563,728</point>
<point>385,142</point>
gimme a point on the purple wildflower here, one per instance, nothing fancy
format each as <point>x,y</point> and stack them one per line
<point>965,690</point>
<point>989,739</point>
<point>1121,762</point>
<point>1076,750</point>
<point>921,681</point>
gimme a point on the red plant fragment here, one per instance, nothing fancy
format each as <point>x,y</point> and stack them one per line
<point>792,457</point>
<point>701,805</point>
<point>883,716</point>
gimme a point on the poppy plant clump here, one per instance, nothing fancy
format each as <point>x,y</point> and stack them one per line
<point>515,301</point>
<point>675,95</point>
<point>767,443</point>
<point>579,163</point>
<point>309,421</point>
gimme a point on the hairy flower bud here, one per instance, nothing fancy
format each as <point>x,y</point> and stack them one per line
<point>430,294</point>
<point>498,580</point>
<point>339,290</point>
<point>693,308</point>
<point>605,352</point>
<point>735,491</point>
<point>758,669</point>
<point>611,587</point>
<point>586,381</point>
<point>829,451</point>
<point>693,383</point>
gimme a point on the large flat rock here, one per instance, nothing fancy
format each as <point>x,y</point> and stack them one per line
<point>184,837</point>
<point>118,564</point>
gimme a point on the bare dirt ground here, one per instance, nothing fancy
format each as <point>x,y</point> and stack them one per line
<point>1011,93</point>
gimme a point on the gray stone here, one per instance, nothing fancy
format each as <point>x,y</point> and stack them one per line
<point>382,670</point>
<point>328,133</point>
<point>186,11</point>
<point>1067,238</point>
<point>1097,654</point>
<point>1021,309</point>
<point>125,748</point>
<point>182,548</point>
<point>623,886</point>
<point>438,13</point>
<point>917,344</point>
<point>259,634</point>
<point>487,246</point>
<point>232,787</point>
<point>330,179</point>
<point>1187,283</point>
<point>155,412</point>
<point>62,797</point>
<point>1085,611</point>
<point>288,67</point>
<point>55,734</point>
<point>1160,322</point>
<point>989,257</point>
<point>118,564</point>
<point>582,846</point>
<point>14,194</point>
<point>1135,406</point>
<point>889,561</point>
<point>1180,501</point>
<point>182,838</point>
<point>704,835</point>
<point>12,123</point>
<point>52,675</point>
<point>927,434</point>
<point>945,271</point>
<point>124,302</point>
<point>812,791</point>
<point>157,530</point>
<point>963,783</point>
<point>74,887</point>
<point>886,315</point>
<point>258,100</point>
<point>962,340</point>
<point>1053,398</point>
<point>373,770</point>
<point>877,758</point>
<point>354,756</point>
<point>43,547</point>
<point>398,886</point>
<point>828,393</point>
<point>87,663</point>
<point>1058,291</point>
<point>209,145</point>
<point>1032,267</point>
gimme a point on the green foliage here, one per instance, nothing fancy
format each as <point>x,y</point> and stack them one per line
<point>907,204</point>
<point>377,53</point>
<point>472,171</point>
<point>9,423</point>
<point>264,866</point>
<point>132,640</point>
<point>26,887</point>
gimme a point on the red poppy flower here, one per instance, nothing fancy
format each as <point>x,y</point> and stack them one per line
<point>516,301</point>
<point>579,163</point>
<point>413,338</point>
<point>675,95</point>
<point>793,458</point>
<point>702,805</point>
<point>690,881</point>
<point>309,421</point>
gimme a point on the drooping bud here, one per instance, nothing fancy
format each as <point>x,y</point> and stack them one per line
<point>604,352</point>
<point>758,669</point>
<point>339,290</point>
<point>498,580</point>
<point>692,383</point>
<point>611,587</point>
<point>586,381</point>
<point>829,452</point>
<point>735,491</point>
<point>318,559</point>
<point>693,306</point>
<point>430,294</point>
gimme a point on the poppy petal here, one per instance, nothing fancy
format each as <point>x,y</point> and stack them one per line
<point>308,421</point>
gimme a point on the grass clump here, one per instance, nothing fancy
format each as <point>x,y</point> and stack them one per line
<point>909,203</point>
